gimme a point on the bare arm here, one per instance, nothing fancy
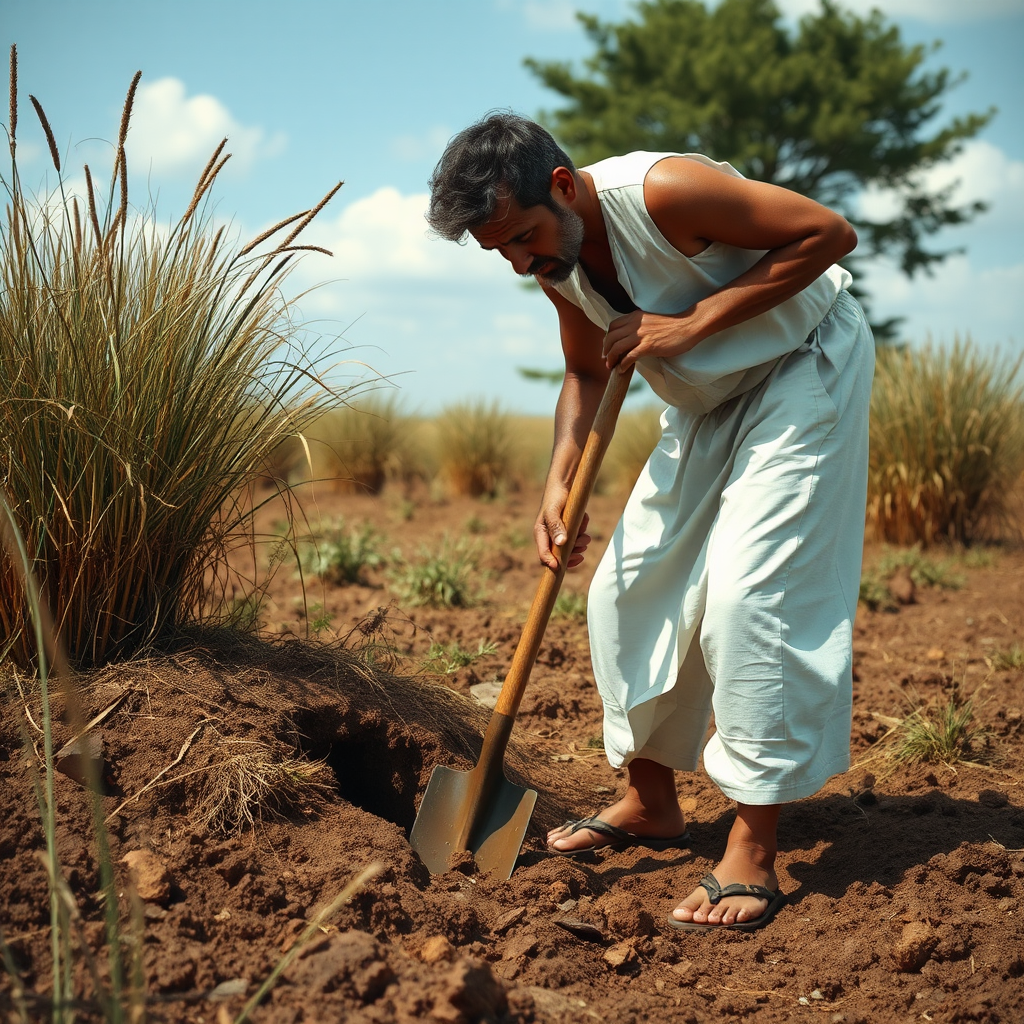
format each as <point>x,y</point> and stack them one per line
<point>582,388</point>
<point>694,205</point>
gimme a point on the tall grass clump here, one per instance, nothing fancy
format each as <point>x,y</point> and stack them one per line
<point>362,446</point>
<point>477,449</point>
<point>947,443</point>
<point>147,374</point>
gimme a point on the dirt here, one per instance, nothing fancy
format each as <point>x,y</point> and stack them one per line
<point>905,882</point>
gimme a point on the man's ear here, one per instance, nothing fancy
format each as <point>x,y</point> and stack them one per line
<point>563,184</point>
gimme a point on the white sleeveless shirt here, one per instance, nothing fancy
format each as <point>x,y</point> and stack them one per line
<point>660,279</point>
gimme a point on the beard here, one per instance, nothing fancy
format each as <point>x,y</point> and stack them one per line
<point>558,268</point>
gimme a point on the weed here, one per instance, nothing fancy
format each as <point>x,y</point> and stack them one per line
<point>363,445</point>
<point>596,742</point>
<point>340,554</point>
<point>924,571</point>
<point>441,577</point>
<point>875,594</point>
<point>320,618</point>
<point>1011,658</point>
<point>516,537</point>
<point>943,735</point>
<point>947,443</point>
<point>570,605</point>
<point>477,448</point>
<point>446,658</point>
<point>475,525</point>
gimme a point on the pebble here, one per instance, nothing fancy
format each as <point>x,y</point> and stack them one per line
<point>149,875</point>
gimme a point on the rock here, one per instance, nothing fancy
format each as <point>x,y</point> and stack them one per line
<point>149,875</point>
<point>82,761</point>
<point>901,586</point>
<point>506,921</point>
<point>436,949</point>
<point>993,798</point>
<point>581,929</point>
<point>486,693</point>
<point>229,989</point>
<point>915,945</point>
<point>470,993</point>
<point>936,654</point>
<point>622,954</point>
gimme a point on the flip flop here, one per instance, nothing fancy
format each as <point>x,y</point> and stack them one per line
<point>716,893</point>
<point>620,838</point>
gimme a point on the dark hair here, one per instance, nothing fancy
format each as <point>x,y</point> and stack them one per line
<point>502,156</point>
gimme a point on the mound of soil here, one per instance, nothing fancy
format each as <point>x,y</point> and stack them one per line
<point>905,883</point>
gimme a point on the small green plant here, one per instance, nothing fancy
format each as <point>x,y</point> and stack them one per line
<point>320,618</point>
<point>341,554</point>
<point>441,578</point>
<point>941,735</point>
<point>570,605</point>
<point>1011,658</point>
<point>446,658</point>
<point>874,593</point>
<point>475,525</point>
<point>477,450</point>
<point>924,571</point>
<point>516,537</point>
<point>946,443</point>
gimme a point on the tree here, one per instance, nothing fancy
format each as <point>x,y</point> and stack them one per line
<point>839,105</point>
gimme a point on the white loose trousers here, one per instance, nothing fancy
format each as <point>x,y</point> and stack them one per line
<point>731,581</point>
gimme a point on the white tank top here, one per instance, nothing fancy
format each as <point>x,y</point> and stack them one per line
<point>660,279</point>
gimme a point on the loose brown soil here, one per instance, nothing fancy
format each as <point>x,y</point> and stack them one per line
<point>905,882</point>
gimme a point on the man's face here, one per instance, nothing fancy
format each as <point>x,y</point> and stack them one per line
<point>538,241</point>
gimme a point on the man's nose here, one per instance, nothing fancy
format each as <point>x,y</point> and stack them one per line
<point>519,258</point>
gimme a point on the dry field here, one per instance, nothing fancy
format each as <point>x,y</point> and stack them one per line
<point>905,878</point>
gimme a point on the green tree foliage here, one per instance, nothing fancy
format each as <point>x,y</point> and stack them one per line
<point>835,106</point>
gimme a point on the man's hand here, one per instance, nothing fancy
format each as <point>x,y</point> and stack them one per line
<point>644,334</point>
<point>549,532</point>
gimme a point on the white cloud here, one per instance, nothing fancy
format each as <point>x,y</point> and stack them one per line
<point>426,146</point>
<point>983,171</point>
<point>944,11</point>
<point>384,237</point>
<point>173,133</point>
<point>958,299</point>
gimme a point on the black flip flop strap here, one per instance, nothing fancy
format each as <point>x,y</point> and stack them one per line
<point>716,893</point>
<point>602,828</point>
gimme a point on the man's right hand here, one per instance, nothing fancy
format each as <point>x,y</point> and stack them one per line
<point>549,532</point>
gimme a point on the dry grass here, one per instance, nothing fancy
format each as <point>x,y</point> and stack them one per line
<point>148,377</point>
<point>252,784</point>
<point>636,435</point>
<point>477,449</point>
<point>944,734</point>
<point>364,445</point>
<point>947,444</point>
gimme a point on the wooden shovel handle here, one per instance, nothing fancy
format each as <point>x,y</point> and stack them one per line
<point>576,505</point>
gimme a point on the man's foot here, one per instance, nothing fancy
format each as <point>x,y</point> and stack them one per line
<point>749,861</point>
<point>648,810</point>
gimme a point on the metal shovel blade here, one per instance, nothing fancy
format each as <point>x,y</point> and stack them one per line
<point>497,834</point>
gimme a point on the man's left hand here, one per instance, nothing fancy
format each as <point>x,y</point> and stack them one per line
<point>644,334</point>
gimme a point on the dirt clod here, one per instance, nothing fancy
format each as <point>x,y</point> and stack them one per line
<point>914,946</point>
<point>149,875</point>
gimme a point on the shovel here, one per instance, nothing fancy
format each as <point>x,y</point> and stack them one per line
<point>480,810</point>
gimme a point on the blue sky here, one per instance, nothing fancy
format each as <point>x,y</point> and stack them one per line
<point>316,91</point>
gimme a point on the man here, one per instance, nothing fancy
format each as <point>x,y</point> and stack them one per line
<point>731,581</point>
